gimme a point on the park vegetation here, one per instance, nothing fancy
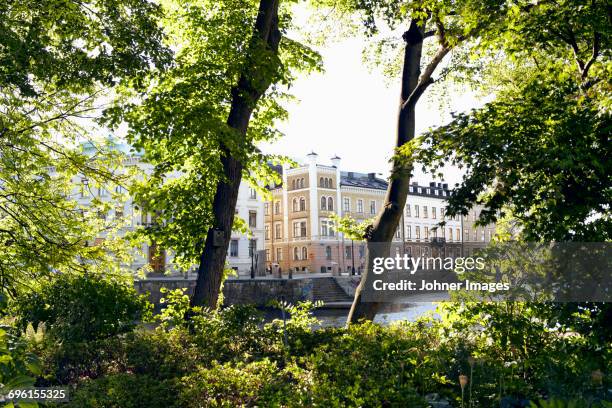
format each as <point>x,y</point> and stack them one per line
<point>199,85</point>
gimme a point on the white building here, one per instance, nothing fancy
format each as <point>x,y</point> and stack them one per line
<point>249,207</point>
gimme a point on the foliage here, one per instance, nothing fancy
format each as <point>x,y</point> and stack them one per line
<point>541,150</point>
<point>81,308</point>
<point>181,122</point>
<point>124,390</point>
<point>18,367</point>
<point>57,59</point>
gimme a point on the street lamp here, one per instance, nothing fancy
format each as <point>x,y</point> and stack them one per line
<point>353,257</point>
<point>252,253</point>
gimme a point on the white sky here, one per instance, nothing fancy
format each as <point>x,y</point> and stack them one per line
<point>351,112</point>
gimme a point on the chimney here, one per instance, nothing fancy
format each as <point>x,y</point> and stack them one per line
<point>432,184</point>
<point>335,161</point>
<point>312,158</point>
<point>445,186</point>
<point>414,183</point>
<point>371,176</point>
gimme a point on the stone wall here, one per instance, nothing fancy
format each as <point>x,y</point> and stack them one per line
<point>259,292</point>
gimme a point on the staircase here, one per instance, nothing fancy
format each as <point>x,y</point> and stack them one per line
<point>327,290</point>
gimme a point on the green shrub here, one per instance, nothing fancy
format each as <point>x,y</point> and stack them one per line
<point>259,384</point>
<point>82,308</point>
<point>124,391</point>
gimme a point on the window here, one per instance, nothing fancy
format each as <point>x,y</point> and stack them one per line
<point>433,212</point>
<point>267,231</point>
<point>294,205</point>
<point>426,232</point>
<point>304,253</point>
<point>296,254</point>
<point>328,253</point>
<point>450,234</point>
<point>234,247</point>
<point>277,207</point>
<point>252,247</point>
<point>252,193</point>
<point>434,232</point>
<point>416,211</point>
<point>348,254</point>
<point>331,183</point>
<point>347,204</point>
<point>119,212</point>
<point>361,251</point>
<point>253,219</point>
<point>442,213</point>
<point>302,204</point>
<point>372,207</point>
<point>490,234</point>
<point>101,192</point>
<point>324,231</point>
<point>360,206</point>
<point>293,184</point>
<point>466,233</point>
<point>267,208</point>
<point>299,229</point>
<point>397,233</point>
<point>279,254</point>
<point>330,204</point>
<point>84,184</point>
<point>482,235</point>
<point>157,258</point>
<point>277,231</point>
<point>321,182</point>
<point>424,211</point>
<point>408,210</point>
<point>323,203</point>
<point>268,255</point>
<point>417,232</point>
<point>409,232</point>
<point>326,183</point>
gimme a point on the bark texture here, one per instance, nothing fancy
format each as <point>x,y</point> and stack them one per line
<point>254,81</point>
<point>381,232</point>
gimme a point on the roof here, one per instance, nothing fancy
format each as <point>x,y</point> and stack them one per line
<point>352,179</point>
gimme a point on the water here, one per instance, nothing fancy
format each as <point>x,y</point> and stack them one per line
<point>389,314</point>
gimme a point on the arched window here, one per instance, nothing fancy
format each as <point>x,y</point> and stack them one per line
<point>323,203</point>
<point>296,254</point>
<point>328,253</point>
<point>321,182</point>
<point>293,184</point>
<point>330,204</point>
<point>302,204</point>
<point>277,207</point>
<point>326,182</point>
<point>331,185</point>
<point>304,253</point>
<point>295,205</point>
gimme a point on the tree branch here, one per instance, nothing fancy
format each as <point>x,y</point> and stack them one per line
<point>594,55</point>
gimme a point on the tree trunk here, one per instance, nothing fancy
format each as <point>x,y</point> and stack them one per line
<point>381,232</point>
<point>255,79</point>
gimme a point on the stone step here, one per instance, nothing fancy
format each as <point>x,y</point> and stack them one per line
<point>328,291</point>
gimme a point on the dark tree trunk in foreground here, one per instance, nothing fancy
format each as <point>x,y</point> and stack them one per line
<point>256,77</point>
<point>381,232</point>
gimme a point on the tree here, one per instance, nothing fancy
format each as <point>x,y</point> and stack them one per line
<point>541,150</point>
<point>451,23</point>
<point>56,59</point>
<point>203,119</point>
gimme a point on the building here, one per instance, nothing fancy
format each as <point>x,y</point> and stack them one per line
<point>249,207</point>
<point>299,231</point>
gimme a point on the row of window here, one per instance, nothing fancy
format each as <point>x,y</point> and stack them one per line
<point>86,191</point>
<point>425,212</point>
<point>427,190</point>
<point>301,253</point>
<point>346,203</point>
<point>298,183</point>
<point>233,248</point>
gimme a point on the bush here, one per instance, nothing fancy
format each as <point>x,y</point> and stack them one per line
<point>82,308</point>
<point>124,391</point>
<point>259,384</point>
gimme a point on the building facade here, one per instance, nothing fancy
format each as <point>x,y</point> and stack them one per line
<point>299,231</point>
<point>243,252</point>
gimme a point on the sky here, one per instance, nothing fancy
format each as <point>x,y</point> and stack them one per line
<point>350,111</point>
